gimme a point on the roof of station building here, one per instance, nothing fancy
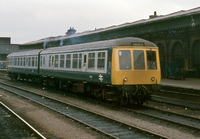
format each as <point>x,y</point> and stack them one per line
<point>156,19</point>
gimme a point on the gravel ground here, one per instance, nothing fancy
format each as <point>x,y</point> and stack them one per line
<point>11,127</point>
<point>54,125</point>
<point>51,125</point>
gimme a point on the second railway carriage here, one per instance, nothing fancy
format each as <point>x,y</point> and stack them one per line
<point>123,70</point>
<point>23,64</point>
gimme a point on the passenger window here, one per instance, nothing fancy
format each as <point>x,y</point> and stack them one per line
<point>17,61</point>
<point>49,61</point>
<point>151,60</point>
<point>138,56</point>
<point>75,61</point>
<point>62,61</point>
<point>125,60</point>
<point>8,61</point>
<point>36,61</point>
<point>101,61</point>
<point>68,61</point>
<point>56,61</point>
<point>11,60</point>
<point>80,61</point>
<point>91,61</point>
<point>29,61</point>
<point>26,61</point>
<point>33,60</point>
<point>43,61</point>
<point>22,61</point>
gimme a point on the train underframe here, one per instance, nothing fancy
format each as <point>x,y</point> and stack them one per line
<point>122,94</point>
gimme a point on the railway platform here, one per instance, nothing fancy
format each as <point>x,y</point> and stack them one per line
<point>189,83</point>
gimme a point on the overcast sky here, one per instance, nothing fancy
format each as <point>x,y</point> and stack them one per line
<point>29,20</point>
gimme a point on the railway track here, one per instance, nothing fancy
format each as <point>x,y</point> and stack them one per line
<point>187,98</point>
<point>179,121</point>
<point>13,126</point>
<point>175,102</point>
<point>98,122</point>
<point>174,119</point>
<point>184,94</point>
<point>182,97</point>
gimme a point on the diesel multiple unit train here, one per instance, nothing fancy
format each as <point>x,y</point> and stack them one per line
<point>125,70</point>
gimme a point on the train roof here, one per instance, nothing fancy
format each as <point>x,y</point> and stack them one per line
<point>128,41</point>
<point>25,53</point>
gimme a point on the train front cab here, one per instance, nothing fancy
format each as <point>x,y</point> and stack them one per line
<point>135,70</point>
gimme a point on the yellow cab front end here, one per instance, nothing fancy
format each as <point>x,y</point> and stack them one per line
<point>136,70</point>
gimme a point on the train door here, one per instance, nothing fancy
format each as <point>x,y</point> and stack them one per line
<point>51,61</point>
<point>85,62</point>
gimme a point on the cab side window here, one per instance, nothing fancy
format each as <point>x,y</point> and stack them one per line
<point>151,60</point>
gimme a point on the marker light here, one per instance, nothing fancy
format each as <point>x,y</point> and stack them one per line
<point>152,78</point>
<point>125,79</point>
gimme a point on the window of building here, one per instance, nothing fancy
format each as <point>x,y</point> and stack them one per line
<point>101,61</point>
<point>138,56</point>
<point>91,61</point>
<point>125,59</point>
<point>62,61</point>
<point>68,61</point>
<point>151,60</point>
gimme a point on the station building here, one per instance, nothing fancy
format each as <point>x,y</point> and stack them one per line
<point>177,36</point>
<point>5,48</point>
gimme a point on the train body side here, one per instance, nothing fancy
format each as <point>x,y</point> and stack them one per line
<point>82,66</point>
<point>23,64</point>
